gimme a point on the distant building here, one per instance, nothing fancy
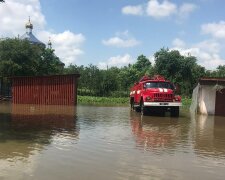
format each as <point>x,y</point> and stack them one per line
<point>29,35</point>
<point>209,97</point>
<point>33,40</point>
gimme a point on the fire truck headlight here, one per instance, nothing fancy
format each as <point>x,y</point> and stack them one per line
<point>148,98</point>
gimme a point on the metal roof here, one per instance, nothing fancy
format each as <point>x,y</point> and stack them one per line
<point>46,76</point>
<point>212,81</point>
<point>31,38</point>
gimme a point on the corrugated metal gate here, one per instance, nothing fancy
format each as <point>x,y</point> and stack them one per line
<point>48,90</point>
<point>220,103</point>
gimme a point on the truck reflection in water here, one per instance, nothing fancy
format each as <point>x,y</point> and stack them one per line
<point>208,135</point>
<point>157,133</point>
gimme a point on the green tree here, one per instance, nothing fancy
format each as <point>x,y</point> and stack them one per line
<point>219,72</point>
<point>127,77</point>
<point>50,63</point>
<point>92,75</point>
<point>167,63</point>
<point>142,66</point>
<point>21,58</point>
<point>182,70</point>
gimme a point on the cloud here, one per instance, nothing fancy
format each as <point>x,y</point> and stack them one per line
<point>178,43</point>
<point>216,30</point>
<point>207,52</point>
<point>161,10</point>
<point>66,44</point>
<point>184,12</point>
<point>157,10</point>
<point>133,10</point>
<point>211,46</point>
<point>14,16</point>
<point>185,9</point>
<point>118,42</point>
<point>121,40</point>
<point>116,61</point>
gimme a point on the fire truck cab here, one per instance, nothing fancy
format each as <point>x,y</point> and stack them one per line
<point>155,94</point>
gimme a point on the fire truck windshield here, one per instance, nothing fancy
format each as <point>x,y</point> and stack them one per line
<point>166,85</point>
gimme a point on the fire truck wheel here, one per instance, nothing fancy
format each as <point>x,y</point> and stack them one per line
<point>175,112</point>
<point>132,106</point>
<point>137,109</point>
<point>143,109</point>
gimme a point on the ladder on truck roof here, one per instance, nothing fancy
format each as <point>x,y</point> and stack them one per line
<point>155,77</point>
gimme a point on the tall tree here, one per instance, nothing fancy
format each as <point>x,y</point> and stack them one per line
<point>20,58</point>
<point>49,63</point>
<point>182,70</point>
<point>141,67</point>
<point>219,72</point>
<point>167,62</point>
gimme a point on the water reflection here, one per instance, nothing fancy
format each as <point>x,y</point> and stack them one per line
<point>34,125</point>
<point>51,117</point>
<point>158,133</point>
<point>26,130</point>
<point>91,142</point>
<point>209,135</point>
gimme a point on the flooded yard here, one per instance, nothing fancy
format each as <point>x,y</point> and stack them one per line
<point>92,142</point>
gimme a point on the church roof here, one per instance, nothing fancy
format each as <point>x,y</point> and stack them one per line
<point>29,35</point>
<point>31,38</point>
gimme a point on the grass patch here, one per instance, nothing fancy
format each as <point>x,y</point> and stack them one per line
<point>186,102</point>
<point>103,100</point>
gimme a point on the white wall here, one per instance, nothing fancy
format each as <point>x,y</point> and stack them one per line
<point>206,100</point>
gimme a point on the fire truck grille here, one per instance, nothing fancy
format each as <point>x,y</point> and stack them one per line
<point>163,97</point>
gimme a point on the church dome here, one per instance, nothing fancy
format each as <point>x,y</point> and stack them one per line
<point>29,35</point>
<point>29,25</point>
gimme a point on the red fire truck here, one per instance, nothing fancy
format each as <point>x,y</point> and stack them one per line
<point>155,94</point>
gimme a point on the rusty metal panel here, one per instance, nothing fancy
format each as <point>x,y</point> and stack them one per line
<point>48,90</point>
<point>220,103</point>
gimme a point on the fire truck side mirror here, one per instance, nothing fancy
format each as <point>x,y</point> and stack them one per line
<point>177,88</point>
<point>174,87</point>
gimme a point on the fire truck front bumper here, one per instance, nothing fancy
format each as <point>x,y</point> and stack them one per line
<point>167,104</point>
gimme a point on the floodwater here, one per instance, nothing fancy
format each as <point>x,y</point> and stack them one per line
<point>104,143</point>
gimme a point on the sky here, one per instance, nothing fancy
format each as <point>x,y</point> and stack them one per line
<point>115,32</point>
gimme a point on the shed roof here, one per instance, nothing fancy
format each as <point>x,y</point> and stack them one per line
<point>212,81</point>
<point>74,75</point>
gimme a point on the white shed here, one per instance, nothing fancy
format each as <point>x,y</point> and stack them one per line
<point>209,97</point>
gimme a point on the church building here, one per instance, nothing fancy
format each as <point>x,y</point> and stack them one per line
<point>29,35</point>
